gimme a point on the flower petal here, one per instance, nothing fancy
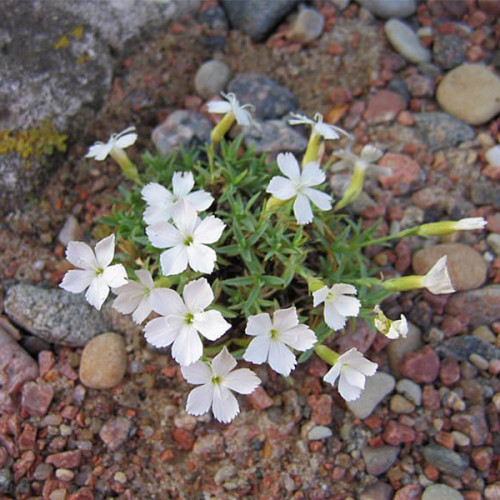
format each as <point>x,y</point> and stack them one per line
<point>347,306</point>
<point>129,297</point>
<point>312,175</point>
<point>283,319</point>
<point>282,188</point>
<point>185,217</point>
<point>242,381</point>
<point>259,324</point>
<point>187,347</point>
<point>211,324</point>
<point>298,119</point>
<point>168,302</point>
<point>322,200</point>
<point>159,333</point>
<point>332,374</point>
<point>81,255</point>
<point>97,292</point>
<point>258,350</point>
<point>125,138</point>
<point>198,373</point>
<point>332,318</point>
<point>209,230</point>
<point>353,376</point>
<point>200,200</point>
<point>200,399</point>
<point>182,183</point>
<point>302,209</point>
<point>223,363</point>
<point>289,166</point>
<point>77,280</point>
<point>99,151</point>
<point>224,406</point>
<point>145,278</point>
<point>344,288</point>
<point>105,251</point>
<point>197,295</point>
<point>142,311</point>
<point>299,337</point>
<point>319,296</point>
<point>347,391</point>
<point>164,235</point>
<point>219,107</point>
<point>326,131</point>
<point>281,359</point>
<point>201,258</point>
<point>174,260</point>
<point>115,275</point>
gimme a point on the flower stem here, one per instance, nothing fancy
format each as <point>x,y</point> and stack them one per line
<point>128,168</point>
<point>326,354</point>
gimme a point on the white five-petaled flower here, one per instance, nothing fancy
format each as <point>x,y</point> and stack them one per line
<point>298,185</point>
<point>437,280</point>
<point>160,201</point>
<point>274,337</point>
<point>136,297</point>
<point>100,150</point>
<point>325,130</point>
<point>183,319</point>
<point>231,105</point>
<point>392,329</point>
<point>186,240</point>
<point>95,271</point>
<point>339,305</point>
<point>352,368</point>
<point>216,380</point>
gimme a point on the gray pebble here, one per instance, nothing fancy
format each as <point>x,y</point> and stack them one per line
<point>406,41</point>
<point>211,78</point>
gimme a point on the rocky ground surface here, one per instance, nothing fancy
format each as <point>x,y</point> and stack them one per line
<point>427,425</point>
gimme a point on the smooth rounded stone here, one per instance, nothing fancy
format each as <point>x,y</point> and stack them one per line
<point>319,432</point>
<point>440,130</point>
<point>257,18</point>
<point>447,461</point>
<point>493,240</point>
<point>56,316</point>
<point>377,387</point>
<point>441,492</point>
<point>471,93</point>
<point>274,136</point>
<point>270,99</point>
<point>104,361</point>
<point>377,491</point>
<point>484,333</point>
<point>401,405</point>
<point>379,460</point>
<point>211,78</point>
<point>410,390</point>
<point>493,156</point>
<point>307,26</point>
<point>387,9</point>
<point>466,266</point>
<point>181,128</point>
<point>116,431</point>
<point>481,306</point>
<point>397,348</point>
<point>462,346</point>
<point>406,41</point>
<point>485,193</point>
<point>448,50</point>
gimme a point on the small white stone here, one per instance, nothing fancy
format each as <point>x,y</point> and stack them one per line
<point>390,8</point>
<point>493,155</point>
<point>319,432</point>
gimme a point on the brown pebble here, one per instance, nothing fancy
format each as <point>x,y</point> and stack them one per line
<point>65,459</point>
<point>36,398</point>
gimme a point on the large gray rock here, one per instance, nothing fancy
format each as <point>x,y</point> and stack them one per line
<point>463,346</point>
<point>481,306</point>
<point>56,316</point>
<point>447,461</point>
<point>257,18</point>
<point>274,136</point>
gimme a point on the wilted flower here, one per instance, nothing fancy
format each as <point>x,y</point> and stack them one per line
<point>298,185</point>
<point>392,329</point>
<point>274,337</point>
<point>447,227</point>
<point>216,380</point>
<point>325,130</point>
<point>183,319</point>
<point>339,305</point>
<point>160,201</point>
<point>95,271</point>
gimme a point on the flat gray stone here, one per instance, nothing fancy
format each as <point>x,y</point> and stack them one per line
<point>441,492</point>
<point>447,461</point>
<point>56,316</point>
<point>379,460</point>
<point>387,9</point>
<point>481,306</point>
<point>406,41</point>
<point>377,387</point>
<point>463,346</point>
<point>274,136</point>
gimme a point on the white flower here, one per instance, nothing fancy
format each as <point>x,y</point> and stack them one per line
<point>325,130</point>
<point>100,150</point>
<point>184,320</point>
<point>352,368</point>
<point>186,240</point>
<point>298,186</point>
<point>437,280</point>
<point>161,201</point>
<point>272,338</point>
<point>470,223</point>
<point>95,271</point>
<point>391,329</point>
<point>136,297</point>
<point>231,105</point>
<point>216,381</point>
<point>338,304</point>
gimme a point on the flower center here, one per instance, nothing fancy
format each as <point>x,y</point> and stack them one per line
<point>216,380</point>
<point>274,334</point>
<point>99,271</point>
<point>189,319</point>
<point>188,241</point>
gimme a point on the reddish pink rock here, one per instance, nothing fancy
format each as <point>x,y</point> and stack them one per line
<point>36,398</point>
<point>482,458</point>
<point>361,337</point>
<point>384,106</point>
<point>183,438</point>
<point>449,371</point>
<point>65,459</point>
<point>405,171</point>
<point>317,367</point>
<point>260,399</point>
<point>46,360</point>
<point>82,494</point>
<point>322,408</point>
<point>115,432</point>
<point>23,465</point>
<point>409,492</point>
<point>27,438</point>
<point>16,368</point>
<point>421,366</point>
<point>396,433</point>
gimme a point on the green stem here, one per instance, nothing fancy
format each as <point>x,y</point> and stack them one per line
<point>128,168</point>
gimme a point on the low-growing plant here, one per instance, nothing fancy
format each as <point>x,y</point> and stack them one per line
<point>240,259</point>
